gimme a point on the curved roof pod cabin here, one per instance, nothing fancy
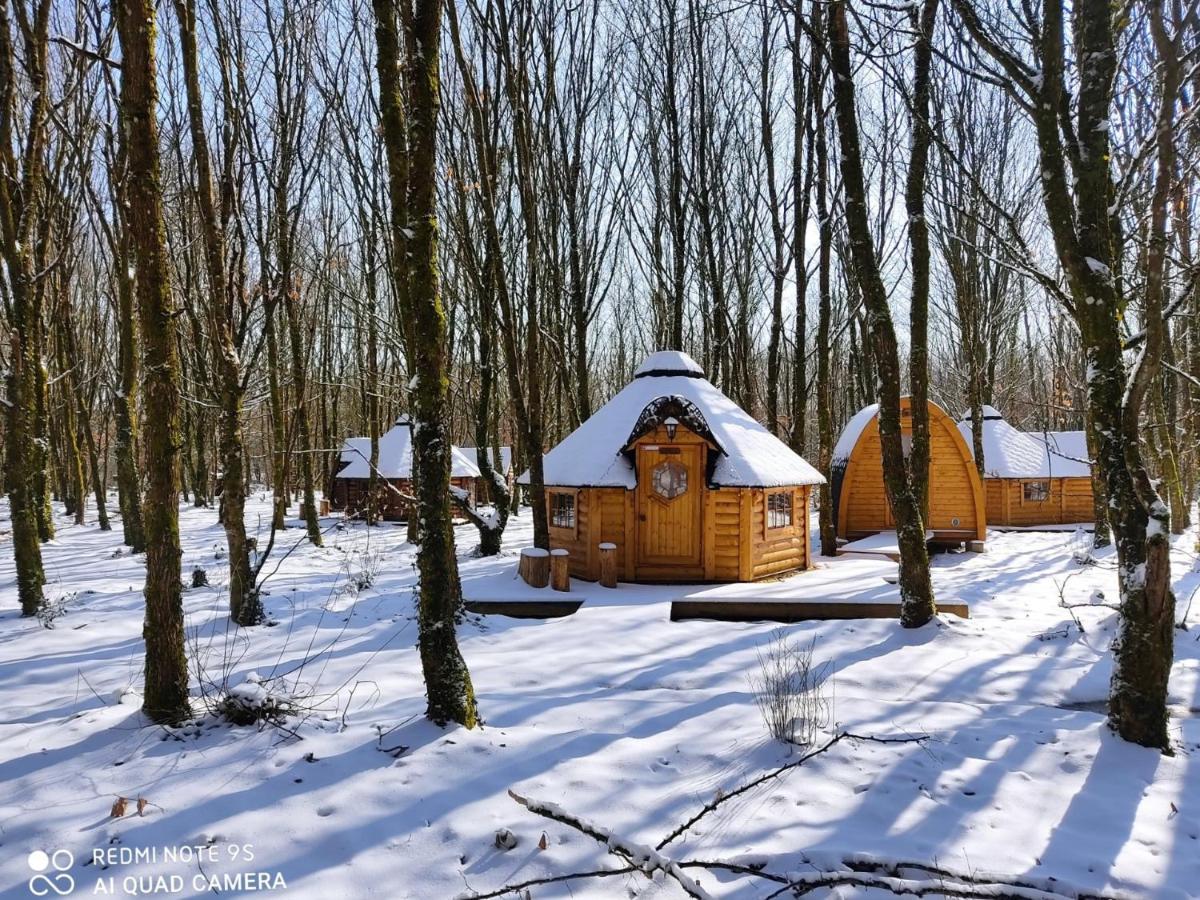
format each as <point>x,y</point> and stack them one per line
<point>686,484</point>
<point>351,482</point>
<point>956,510</point>
<point>1033,478</point>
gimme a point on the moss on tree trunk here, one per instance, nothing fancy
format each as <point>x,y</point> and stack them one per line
<point>449,693</point>
<point>916,589</point>
<point>245,607</point>
<point>18,213</point>
<point>165,697</point>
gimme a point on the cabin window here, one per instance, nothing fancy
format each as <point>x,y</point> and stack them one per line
<point>562,511</point>
<point>669,479</point>
<point>779,509</point>
<point>1036,491</point>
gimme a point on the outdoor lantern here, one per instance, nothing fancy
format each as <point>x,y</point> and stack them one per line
<point>672,423</point>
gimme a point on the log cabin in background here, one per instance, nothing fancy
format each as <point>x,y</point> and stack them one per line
<point>503,468</point>
<point>686,484</point>
<point>1033,478</point>
<point>956,511</point>
<point>351,482</point>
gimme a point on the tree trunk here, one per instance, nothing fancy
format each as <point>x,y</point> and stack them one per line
<point>129,496</point>
<point>279,431</point>
<point>918,237</point>
<point>245,606</point>
<point>491,535</point>
<point>16,229</point>
<point>779,255</point>
<point>40,450</point>
<point>527,398</point>
<point>291,300</point>
<point>825,301</point>
<point>449,693</point>
<point>93,455</point>
<point>74,486</point>
<point>166,686</point>
<point>916,588</point>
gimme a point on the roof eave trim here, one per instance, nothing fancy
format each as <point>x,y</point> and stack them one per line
<point>669,373</point>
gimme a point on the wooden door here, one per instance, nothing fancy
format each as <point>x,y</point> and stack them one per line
<point>670,486</point>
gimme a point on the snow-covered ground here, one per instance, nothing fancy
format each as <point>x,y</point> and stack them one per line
<point>615,714</point>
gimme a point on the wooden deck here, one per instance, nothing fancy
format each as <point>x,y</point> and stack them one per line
<point>884,543</point>
<point>524,609</point>
<point>751,610</point>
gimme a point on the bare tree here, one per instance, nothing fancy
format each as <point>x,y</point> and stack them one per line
<point>166,687</point>
<point>916,588</point>
<point>21,181</point>
<point>1071,105</point>
<point>412,149</point>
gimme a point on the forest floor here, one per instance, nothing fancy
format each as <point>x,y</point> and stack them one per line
<point>615,714</point>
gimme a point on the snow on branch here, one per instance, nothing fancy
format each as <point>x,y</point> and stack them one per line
<point>897,877</point>
<point>639,856</point>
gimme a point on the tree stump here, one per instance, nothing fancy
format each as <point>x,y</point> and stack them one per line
<point>608,565</point>
<point>534,567</point>
<point>560,570</point>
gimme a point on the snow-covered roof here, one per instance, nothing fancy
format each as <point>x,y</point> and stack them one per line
<point>472,453</point>
<point>1010,453</point>
<point>851,433</point>
<point>395,456</point>
<point>749,456</point>
<point>352,447</point>
<point>1069,457</point>
<point>669,362</point>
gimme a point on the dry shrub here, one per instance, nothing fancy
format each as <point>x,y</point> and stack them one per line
<point>792,692</point>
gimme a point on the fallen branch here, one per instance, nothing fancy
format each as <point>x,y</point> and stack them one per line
<point>908,887</point>
<point>895,869</point>
<point>859,871</point>
<point>889,876</point>
<point>775,773</point>
<point>640,857</point>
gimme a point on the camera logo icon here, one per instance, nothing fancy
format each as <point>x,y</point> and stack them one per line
<point>46,883</point>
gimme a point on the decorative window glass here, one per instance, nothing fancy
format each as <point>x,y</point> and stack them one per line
<point>562,510</point>
<point>779,509</point>
<point>1036,491</point>
<point>669,479</point>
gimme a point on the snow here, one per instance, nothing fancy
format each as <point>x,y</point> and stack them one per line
<point>591,456</point>
<point>851,433</point>
<point>668,361</point>
<point>472,453</point>
<point>844,580</point>
<point>1010,453</point>
<point>395,456</point>
<point>1068,451</point>
<point>615,715</point>
<point>886,543</point>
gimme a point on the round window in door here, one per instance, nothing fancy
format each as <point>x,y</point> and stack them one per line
<point>669,479</point>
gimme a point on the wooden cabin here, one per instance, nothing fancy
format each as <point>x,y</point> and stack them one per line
<point>502,465</point>
<point>1033,478</point>
<point>351,482</point>
<point>687,485</point>
<point>956,510</point>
